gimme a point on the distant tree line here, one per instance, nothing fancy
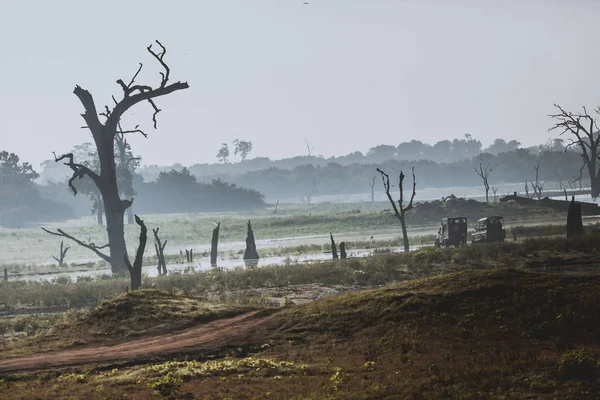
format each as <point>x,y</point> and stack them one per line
<point>444,151</point>
<point>20,200</point>
<point>334,178</point>
<point>23,201</point>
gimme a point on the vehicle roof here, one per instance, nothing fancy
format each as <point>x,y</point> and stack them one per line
<point>490,218</point>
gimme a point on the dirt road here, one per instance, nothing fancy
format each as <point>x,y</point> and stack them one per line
<point>208,338</point>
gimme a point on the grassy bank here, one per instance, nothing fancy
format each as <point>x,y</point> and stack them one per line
<point>369,271</point>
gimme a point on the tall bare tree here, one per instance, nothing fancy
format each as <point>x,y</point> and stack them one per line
<point>400,210</point>
<point>484,173</point>
<point>584,131</point>
<point>104,139</point>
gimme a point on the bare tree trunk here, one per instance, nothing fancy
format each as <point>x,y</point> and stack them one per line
<point>333,248</point>
<point>113,209</point>
<point>343,250</point>
<point>404,234</point>
<point>213,246</point>
<point>135,271</point>
<point>160,253</point>
<point>5,274</point>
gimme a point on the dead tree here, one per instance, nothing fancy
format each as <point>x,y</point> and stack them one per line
<point>494,192</point>
<point>538,187</point>
<point>373,190</point>
<point>584,131</point>
<point>61,255</point>
<point>160,253</point>
<point>189,255</point>
<point>104,134</point>
<point>214,244</point>
<point>309,148</point>
<point>250,254</point>
<point>343,250</point>
<point>574,221</point>
<point>526,189</point>
<point>135,270</point>
<point>484,173</point>
<point>276,205</point>
<point>400,210</point>
<point>333,248</point>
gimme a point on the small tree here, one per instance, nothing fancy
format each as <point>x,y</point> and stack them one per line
<point>495,191</point>
<point>484,173</point>
<point>159,247</point>
<point>62,254</point>
<point>223,153</point>
<point>400,210</point>
<point>242,147</point>
<point>538,187</point>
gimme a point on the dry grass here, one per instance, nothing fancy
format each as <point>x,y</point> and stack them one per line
<point>475,334</point>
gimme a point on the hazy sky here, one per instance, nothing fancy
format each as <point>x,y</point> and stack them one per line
<point>345,74</point>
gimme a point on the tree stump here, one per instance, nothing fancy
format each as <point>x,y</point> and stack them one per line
<point>343,250</point>
<point>333,248</point>
<point>250,255</point>
<point>213,246</point>
<point>574,221</point>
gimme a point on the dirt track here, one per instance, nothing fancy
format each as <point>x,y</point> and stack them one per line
<point>208,337</point>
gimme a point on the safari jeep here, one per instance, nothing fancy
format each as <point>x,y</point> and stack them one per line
<point>453,232</point>
<point>489,229</point>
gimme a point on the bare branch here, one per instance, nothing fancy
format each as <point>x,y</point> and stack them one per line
<point>133,131</point>
<point>159,57</point>
<point>137,93</point>
<point>414,192</point>
<point>91,246</point>
<point>79,170</point>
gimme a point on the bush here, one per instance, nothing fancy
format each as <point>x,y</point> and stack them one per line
<point>578,365</point>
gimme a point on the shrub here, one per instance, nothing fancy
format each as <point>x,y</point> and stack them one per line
<point>578,365</point>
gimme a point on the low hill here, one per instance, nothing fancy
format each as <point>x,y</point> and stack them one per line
<point>475,334</point>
